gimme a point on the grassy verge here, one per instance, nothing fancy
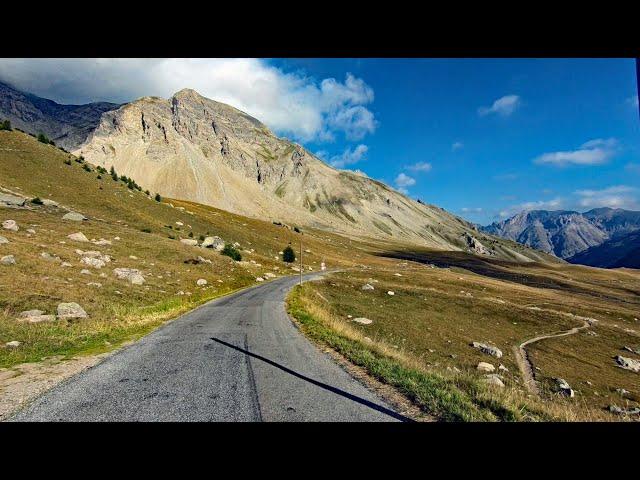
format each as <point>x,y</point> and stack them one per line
<point>447,395</point>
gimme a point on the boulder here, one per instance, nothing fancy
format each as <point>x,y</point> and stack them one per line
<point>13,344</point>
<point>213,242</point>
<point>50,258</point>
<point>74,217</point>
<point>502,368</point>
<point>488,349</point>
<point>366,286</point>
<point>485,367</point>
<point>493,380</point>
<point>628,363</point>
<point>70,310</point>
<point>363,320</point>
<point>3,240</point>
<point>49,203</point>
<point>7,200</point>
<point>93,262</point>
<point>201,282</point>
<point>78,237</point>
<point>391,293</point>
<point>84,271</point>
<point>8,260</point>
<point>189,241</point>
<point>10,225</point>
<point>624,411</point>
<point>131,274</point>
<point>563,388</point>
<point>102,242</point>
<point>269,275</point>
<point>35,316</point>
<point>259,279</point>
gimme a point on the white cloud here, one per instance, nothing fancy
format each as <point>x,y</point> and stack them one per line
<point>471,210</point>
<point>619,196</point>
<point>593,152</point>
<point>553,204</point>
<point>290,103</point>
<point>503,106</point>
<point>348,157</point>
<point>420,167</point>
<point>457,146</point>
<point>404,180</point>
<point>403,190</point>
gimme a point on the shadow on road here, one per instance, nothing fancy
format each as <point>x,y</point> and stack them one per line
<point>335,390</point>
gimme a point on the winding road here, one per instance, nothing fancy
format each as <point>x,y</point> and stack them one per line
<point>237,358</point>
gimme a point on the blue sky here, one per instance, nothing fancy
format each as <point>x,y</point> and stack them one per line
<point>482,138</point>
<point>484,162</point>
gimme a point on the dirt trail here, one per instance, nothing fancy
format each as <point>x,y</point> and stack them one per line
<point>522,357</point>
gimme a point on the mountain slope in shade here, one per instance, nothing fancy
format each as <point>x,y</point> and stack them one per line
<point>193,148</point>
<point>67,125</point>
<point>566,233</point>
<point>623,251</point>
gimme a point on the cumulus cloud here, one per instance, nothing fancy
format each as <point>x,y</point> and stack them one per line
<point>347,157</point>
<point>420,167</point>
<point>619,196</point>
<point>503,106</point>
<point>593,152</point>
<point>553,204</point>
<point>471,210</point>
<point>289,103</point>
<point>403,180</point>
<point>457,146</point>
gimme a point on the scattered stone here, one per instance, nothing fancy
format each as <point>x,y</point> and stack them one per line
<point>259,279</point>
<point>269,275</point>
<point>13,344</point>
<point>563,388</point>
<point>502,368</point>
<point>488,349</point>
<point>74,217</point>
<point>485,367</point>
<point>51,258</point>
<point>398,274</point>
<point>78,237</point>
<point>94,284</point>
<point>201,282</point>
<point>84,271</point>
<point>366,286</point>
<point>131,274</point>
<point>35,316</point>
<point>494,380</point>
<point>47,202</point>
<point>93,262</point>
<point>3,240</point>
<point>8,260</point>
<point>66,264</point>
<point>622,391</point>
<point>628,363</point>
<point>10,225</point>
<point>70,310</point>
<point>189,241</point>
<point>31,231</point>
<point>102,242</point>
<point>391,293</point>
<point>632,350</point>
<point>363,320</point>
<point>7,200</point>
<point>624,411</point>
<point>213,242</point>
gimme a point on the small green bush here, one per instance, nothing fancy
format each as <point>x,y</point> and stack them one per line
<point>37,201</point>
<point>99,177</point>
<point>5,125</point>
<point>190,234</point>
<point>288,255</point>
<point>86,167</point>
<point>296,229</point>
<point>231,251</point>
<point>43,138</point>
<point>158,197</point>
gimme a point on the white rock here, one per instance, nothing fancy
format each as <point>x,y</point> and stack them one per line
<point>502,368</point>
<point>366,286</point>
<point>74,216</point>
<point>485,367</point>
<point>494,380</point>
<point>189,241</point>
<point>47,202</point>
<point>78,237</point>
<point>3,240</point>
<point>398,274</point>
<point>31,231</point>
<point>94,284</point>
<point>564,388</point>
<point>391,292</point>
<point>131,274</point>
<point>8,260</point>
<point>13,344</point>
<point>201,282</point>
<point>93,262</point>
<point>269,275</point>
<point>488,349</point>
<point>10,225</point>
<point>363,320</point>
<point>101,242</point>
<point>70,310</point>
<point>133,257</point>
<point>84,271</point>
<point>213,242</point>
<point>259,279</point>
<point>628,363</point>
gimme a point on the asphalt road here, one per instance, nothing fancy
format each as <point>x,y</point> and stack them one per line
<point>238,358</point>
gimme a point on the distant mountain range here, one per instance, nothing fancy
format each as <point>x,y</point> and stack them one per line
<point>623,251</point>
<point>67,125</point>
<point>571,235</point>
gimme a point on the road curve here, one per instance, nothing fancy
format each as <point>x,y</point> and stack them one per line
<point>238,358</point>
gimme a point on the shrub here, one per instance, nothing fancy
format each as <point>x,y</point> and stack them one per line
<point>113,174</point>
<point>172,237</point>
<point>288,255</point>
<point>231,251</point>
<point>146,230</point>
<point>86,167</point>
<point>99,177</point>
<point>190,234</point>
<point>296,229</point>
<point>37,201</point>
<point>67,161</point>
<point>158,197</point>
<point>43,138</point>
<point>6,125</point>
<point>147,192</point>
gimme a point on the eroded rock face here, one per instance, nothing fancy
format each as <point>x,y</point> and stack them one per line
<point>628,363</point>
<point>563,388</point>
<point>8,200</point>
<point>475,246</point>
